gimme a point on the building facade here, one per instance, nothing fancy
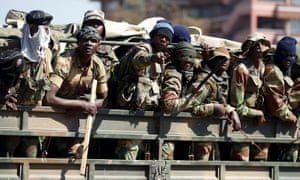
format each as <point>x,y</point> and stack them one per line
<point>235,19</point>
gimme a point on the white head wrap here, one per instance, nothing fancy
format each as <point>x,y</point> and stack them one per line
<point>32,47</point>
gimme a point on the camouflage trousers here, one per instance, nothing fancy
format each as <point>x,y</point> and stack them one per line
<point>25,146</point>
<point>200,151</point>
<point>289,152</point>
<point>245,152</point>
<point>128,149</point>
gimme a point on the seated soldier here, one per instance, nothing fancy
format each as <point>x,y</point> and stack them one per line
<point>72,78</point>
<point>11,71</point>
<point>139,76</point>
<point>180,92</point>
<point>34,45</point>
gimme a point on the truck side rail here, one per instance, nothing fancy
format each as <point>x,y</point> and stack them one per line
<point>144,125</point>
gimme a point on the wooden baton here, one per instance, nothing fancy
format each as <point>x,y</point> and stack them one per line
<point>88,128</point>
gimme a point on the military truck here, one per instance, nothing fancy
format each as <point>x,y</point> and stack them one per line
<point>154,128</point>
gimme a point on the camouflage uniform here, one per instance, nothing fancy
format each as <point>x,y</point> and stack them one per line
<point>74,80</point>
<point>214,91</point>
<point>245,91</point>
<point>279,91</point>
<point>177,88</point>
<point>37,68</point>
<point>139,76</point>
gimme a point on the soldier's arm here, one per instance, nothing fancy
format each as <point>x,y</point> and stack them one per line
<point>237,92</point>
<point>275,96</point>
<point>171,89</point>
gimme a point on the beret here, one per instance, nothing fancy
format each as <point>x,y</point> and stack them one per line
<point>38,17</point>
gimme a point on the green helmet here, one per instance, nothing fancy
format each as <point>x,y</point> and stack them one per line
<point>184,51</point>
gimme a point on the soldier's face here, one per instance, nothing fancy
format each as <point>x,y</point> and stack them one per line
<point>88,46</point>
<point>288,59</point>
<point>186,66</point>
<point>160,42</point>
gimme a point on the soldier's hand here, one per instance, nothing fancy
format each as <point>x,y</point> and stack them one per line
<point>11,103</point>
<point>292,118</point>
<point>260,117</point>
<point>197,91</point>
<point>219,110</point>
<point>160,57</point>
<point>235,120</point>
<point>88,107</point>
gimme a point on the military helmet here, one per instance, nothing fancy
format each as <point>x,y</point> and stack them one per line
<point>252,39</point>
<point>184,51</point>
<point>219,52</point>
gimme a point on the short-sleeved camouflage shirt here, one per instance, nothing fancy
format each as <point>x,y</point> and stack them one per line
<point>73,80</point>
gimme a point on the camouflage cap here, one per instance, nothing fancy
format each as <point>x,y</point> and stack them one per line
<point>94,15</point>
<point>38,17</point>
<point>184,51</point>
<point>252,39</point>
<point>219,52</point>
<point>88,32</point>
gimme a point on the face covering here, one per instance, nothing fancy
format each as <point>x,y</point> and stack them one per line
<point>32,47</point>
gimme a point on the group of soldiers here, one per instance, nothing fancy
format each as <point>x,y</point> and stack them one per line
<point>254,83</point>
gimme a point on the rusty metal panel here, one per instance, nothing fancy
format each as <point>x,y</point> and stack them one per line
<point>47,171</point>
<point>10,120</point>
<point>248,173</point>
<point>184,126</point>
<point>194,172</point>
<point>9,171</point>
<point>121,170</point>
<point>251,131</point>
<point>117,123</point>
<point>47,122</point>
<point>289,173</point>
<point>284,130</point>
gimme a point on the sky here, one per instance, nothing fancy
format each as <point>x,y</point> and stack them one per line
<point>63,11</point>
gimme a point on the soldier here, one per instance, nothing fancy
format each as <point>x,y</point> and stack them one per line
<point>139,77</point>
<point>72,78</point>
<point>245,92</point>
<point>34,47</point>
<point>95,18</point>
<point>277,87</point>
<point>213,99</point>
<point>277,81</point>
<point>179,81</point>
<point>11,71</point>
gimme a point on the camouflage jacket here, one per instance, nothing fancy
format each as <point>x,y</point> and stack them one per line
<point>36,81</point>
<point>177,93</point>
<point>245,87</point>
<point>139,79</point>
<point>276,90</point>
<point>215,90</point>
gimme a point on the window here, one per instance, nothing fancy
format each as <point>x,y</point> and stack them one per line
<point>270,23</point>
